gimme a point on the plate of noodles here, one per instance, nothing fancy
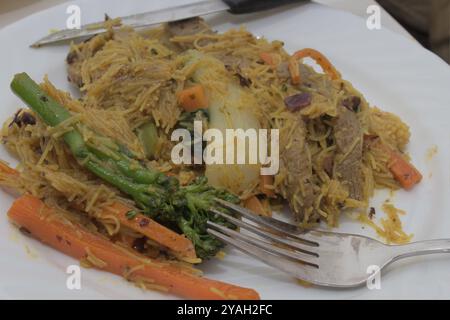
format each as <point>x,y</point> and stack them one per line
<point>91,189</point>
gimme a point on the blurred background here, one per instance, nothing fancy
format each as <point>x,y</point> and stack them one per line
<point>427,21</point>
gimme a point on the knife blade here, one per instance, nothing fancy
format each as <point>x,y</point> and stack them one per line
<point>156,17</point>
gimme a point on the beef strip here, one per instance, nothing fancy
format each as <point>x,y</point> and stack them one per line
<point>349,146</point>
<point>233,63</point>
<point>74,68</point>
<point>297,187</point>
<point>188,27</point>
<point>327,165</point>
<point>282,71</point>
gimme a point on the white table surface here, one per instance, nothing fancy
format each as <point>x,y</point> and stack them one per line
<point>11,11</point>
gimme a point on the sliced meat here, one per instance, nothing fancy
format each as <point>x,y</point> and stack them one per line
<point>283,71</point>
<point>297,187</point>
<point>349,146</point>
<point>327,164</point>
<point>352,103</point>
<point>188,27</point>
<point>233,63</point>
<point>306,72</point>
<point>74,68</point>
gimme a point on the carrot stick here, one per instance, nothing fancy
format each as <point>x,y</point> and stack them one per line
<point>266,184</point>
<point>48,226</point>
<point>403,171</point>
<point>193,98</point>
<point>267,58</point>
<point>255,205</point>
<point>175,242</point>
<point>326,65</point>
<point>293,70</point>
<point>178,244</point>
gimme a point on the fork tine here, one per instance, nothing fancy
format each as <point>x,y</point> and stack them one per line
<point>280,226</point>
<point>297,270</point>
<point>297,256</point>
<point>268,234</point>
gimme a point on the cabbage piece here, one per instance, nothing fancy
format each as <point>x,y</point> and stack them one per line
<point>230,107</point>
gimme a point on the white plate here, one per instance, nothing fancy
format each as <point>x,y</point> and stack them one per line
<point>393,72</point>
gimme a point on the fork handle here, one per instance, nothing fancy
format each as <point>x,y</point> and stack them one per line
<point>421,248</point>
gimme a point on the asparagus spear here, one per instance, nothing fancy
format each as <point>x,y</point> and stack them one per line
<point>185,209</point>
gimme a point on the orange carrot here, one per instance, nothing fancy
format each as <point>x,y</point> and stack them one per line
<point>267,58</point>
<point>326,65</point>
<point>294,71</point>
<point>193,98</point>
<point>178,244</point>
<point>403,171</point>
<point>78,242</point>
<point>255,205</point>
<point>266,184</point>
<point>270,58</point>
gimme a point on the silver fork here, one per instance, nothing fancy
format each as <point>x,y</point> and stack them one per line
<point>320,257</point>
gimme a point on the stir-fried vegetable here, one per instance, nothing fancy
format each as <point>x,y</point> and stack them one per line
<point>272,59</point>
<point>402,170</point>
<point>266,186</point>
<point>298,101</point>
<point>148,136</point>
<point>318,57</point>
<point>193,98</point>
<point>174,242</point>
<point>161,197</point>
<point>231,106</point>
<point>255,205</point>
<point>80,243</point>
